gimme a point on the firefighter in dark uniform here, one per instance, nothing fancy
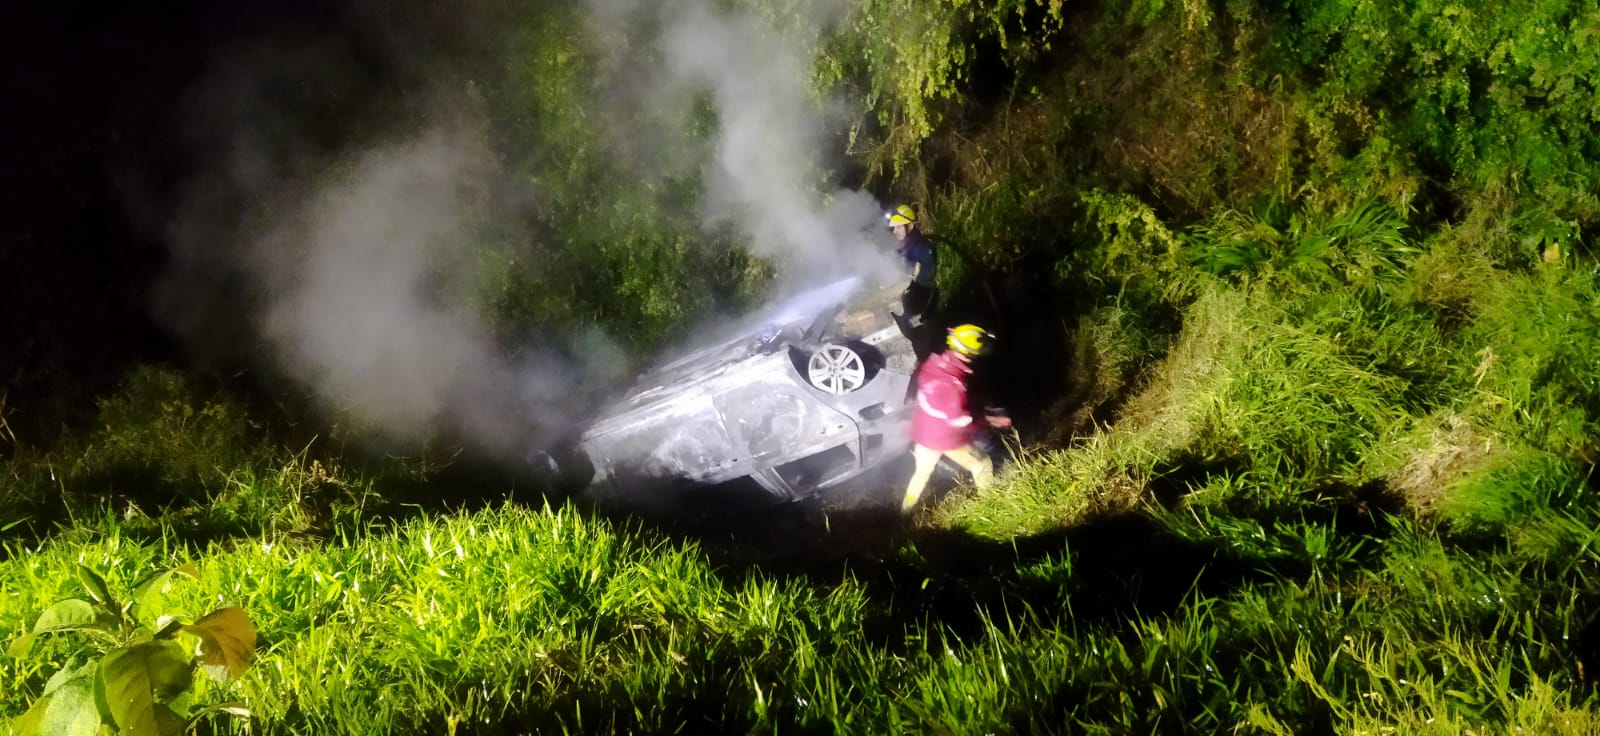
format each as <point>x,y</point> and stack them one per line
<point>920,297</point>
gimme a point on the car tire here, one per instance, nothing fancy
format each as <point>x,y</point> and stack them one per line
<point>836,369</point>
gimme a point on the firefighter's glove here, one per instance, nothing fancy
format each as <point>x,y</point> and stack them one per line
<point>996,417</point>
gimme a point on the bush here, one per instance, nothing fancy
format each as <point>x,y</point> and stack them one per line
<point>158,427</point>
<point>138,678</point>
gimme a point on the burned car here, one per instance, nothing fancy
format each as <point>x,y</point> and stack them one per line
<point>801,397</point>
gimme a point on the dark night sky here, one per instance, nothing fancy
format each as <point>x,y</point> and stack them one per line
<point>94,156</point>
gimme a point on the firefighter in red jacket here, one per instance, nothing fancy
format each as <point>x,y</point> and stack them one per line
<point>941,425</point>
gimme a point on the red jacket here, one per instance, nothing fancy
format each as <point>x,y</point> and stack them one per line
<point>941,421</point>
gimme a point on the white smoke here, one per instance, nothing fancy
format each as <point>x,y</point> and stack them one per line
<point>355,273</point>
<point>357,267</point>
<point>371,300</point>
<point>771,132</point>
<point>364,284</point>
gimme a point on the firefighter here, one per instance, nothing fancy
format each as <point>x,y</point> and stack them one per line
<point>917,302</point>
<point>941,425</point>
<point>918,298</point>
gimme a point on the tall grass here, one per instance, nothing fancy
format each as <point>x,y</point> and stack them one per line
<point>1044,490</point>
<point>1515,450</point>
<point>546,620</point>
<point>1207,563</point>
<point>1534,336</point>
<point>1278,400</point>
<point>1299,410</point>
<point>1345,493</point>
<point>166,449</point>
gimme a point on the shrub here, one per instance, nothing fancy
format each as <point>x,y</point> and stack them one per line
<point>909,61</point>
<point>160,436</point>
<point>138,678</point>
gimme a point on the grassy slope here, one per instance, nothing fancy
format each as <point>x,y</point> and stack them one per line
<point>1212,562</point>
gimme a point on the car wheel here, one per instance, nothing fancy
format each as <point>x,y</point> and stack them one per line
<point>836,369</point>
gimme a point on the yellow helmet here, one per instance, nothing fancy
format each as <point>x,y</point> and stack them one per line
<point>902,215</point>
<point>969,340</point>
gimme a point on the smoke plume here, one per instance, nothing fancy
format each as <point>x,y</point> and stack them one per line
<point>347,253</point>
<point>772,134</point>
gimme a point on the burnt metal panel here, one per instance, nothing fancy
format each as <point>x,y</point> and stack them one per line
<point>744,407</point>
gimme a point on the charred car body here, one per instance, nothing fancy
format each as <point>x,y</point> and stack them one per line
<point>803,396</point>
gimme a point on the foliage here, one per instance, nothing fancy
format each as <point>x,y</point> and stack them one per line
<point>160,426</point>
<point>524,619</point>
<point>299,494</point>
<point>1335,327</point>
<point>1135,254</point>
<point>595,225</point>
<point>1361,246</point>
<point>1285,393</point>
<point>616,239</point>
<point>1482,97</point>
<point>1262,400</point>
<point>1517,488</point>
<point>1201,563</point>
<point>904,58</point>
<point>1047,490</point>
<point>1113,348</point>
<point>1428,105</point>
<point>137,678</point>
<point>158,440</point>
<point>164,443</point>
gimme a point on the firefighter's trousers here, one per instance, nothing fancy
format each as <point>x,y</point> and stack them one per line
<point>969,458</point>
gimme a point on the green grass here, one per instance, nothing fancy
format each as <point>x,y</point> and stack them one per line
<point>1533,337</point>
<point>1388,489</point>
<point>1311,477</point>
<point>550,620</point>
<point>1315,511</point>
<point>1042,491</point>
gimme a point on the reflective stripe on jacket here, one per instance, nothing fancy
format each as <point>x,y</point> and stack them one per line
<point>941,421</point>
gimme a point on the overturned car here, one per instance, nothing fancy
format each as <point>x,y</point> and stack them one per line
<point>803,396</point>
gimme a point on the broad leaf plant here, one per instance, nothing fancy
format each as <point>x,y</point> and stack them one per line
<point>140,682</point>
